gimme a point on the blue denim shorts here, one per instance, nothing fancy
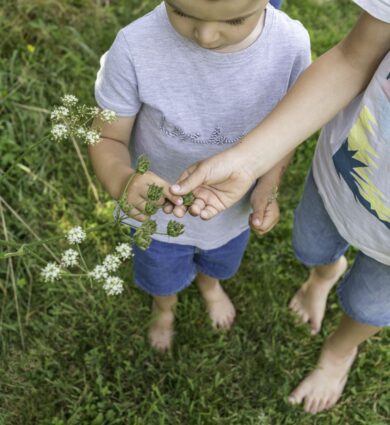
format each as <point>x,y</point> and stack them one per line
<point>364,292</point>
<point>167,268</point>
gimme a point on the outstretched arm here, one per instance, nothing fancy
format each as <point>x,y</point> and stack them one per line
<point>325,88</point>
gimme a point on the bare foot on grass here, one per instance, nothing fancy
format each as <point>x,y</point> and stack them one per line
<point>161,330</point>
<point>309,302</point>
<point>221,310</point>
<point>322,388</point>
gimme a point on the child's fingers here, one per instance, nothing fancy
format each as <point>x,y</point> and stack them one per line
<point>268,223</point>
<point>179,211</point>
<point>256,219</point>
<point>138,215</point>
<point>137,211</point>
<point>197,207</point>
<point>208,212</point>
<point>190,179</point>
<point>168,207</point>
<point>175,199</point>
<point>152,179</point>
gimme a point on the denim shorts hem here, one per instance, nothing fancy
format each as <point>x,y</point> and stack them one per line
<point>348,311</point>
<point>311,263</point>
<point>213,275</point>
<point>165,294</point>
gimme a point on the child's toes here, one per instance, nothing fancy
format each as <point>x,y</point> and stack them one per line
<point>303,317</point>
<point>302,393</point>
<point>315,325</point>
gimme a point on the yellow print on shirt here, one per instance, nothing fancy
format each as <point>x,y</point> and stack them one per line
<point>355,161</point>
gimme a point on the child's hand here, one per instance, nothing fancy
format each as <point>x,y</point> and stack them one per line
<point>137,195</point>
<point>217,183</point>
<point>265,207</point>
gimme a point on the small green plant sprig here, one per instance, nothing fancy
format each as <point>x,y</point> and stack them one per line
<point>188,199</point>
<point>143,234</point>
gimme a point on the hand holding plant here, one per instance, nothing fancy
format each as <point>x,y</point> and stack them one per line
<point>146,193</point>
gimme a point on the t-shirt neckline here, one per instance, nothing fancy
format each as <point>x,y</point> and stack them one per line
<point>215,56</point>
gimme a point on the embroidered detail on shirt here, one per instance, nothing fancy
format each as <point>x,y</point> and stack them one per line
<point>216,138</point>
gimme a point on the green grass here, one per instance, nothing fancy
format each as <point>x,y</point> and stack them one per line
<point>85,359</point>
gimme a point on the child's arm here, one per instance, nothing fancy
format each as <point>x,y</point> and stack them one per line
<point>326,87</point>
<point>111,162</point>
<point>264,198</point>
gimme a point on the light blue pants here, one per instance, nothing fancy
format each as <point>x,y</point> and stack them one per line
<point>364,292</point>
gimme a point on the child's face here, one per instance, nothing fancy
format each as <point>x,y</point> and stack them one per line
<point>215,24</point>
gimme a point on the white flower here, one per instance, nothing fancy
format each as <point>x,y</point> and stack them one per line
<point>111,263</point>
<point>69,258</point>
<point>99,273</point>
<point>80,132</point>
<point>113,285</point>
<point>69,100</point>
<point>92,137</point>
<point>59,132</point>
<point>107,116</point>
<point>51,272</point>
<point>94,111</point>
<point>124,250</point>
<point>76,235</point>
<point>59,113</point>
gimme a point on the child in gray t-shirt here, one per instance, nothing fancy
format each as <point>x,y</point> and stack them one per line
<point>189,80</point>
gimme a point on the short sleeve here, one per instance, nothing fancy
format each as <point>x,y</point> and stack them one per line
<point>302,59</point>
<point>379,9</point>
<point>116,85</point>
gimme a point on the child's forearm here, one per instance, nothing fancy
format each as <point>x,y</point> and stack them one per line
<point>327,86</point>
<point>111,162</point>
<point>274,176</point>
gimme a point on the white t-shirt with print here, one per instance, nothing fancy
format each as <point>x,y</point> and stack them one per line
<point>352,162</point>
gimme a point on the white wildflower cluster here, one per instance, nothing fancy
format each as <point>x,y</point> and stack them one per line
<point>99,273</point>
<point>94,111</point>
<point>69,100</point>
<point>124,250</point>
<point>76,235</point>
<point>107,116</point>
<point>80,132</point>
<point>72,119</point>
<point>59,132</point>
<point>59,113</point>
<point>92,137</point>
<point>113,285</point>
<point>112,263</point>
<point>70,258</point>
<point>51,272</point>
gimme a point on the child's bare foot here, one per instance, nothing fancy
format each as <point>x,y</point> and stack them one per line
<point>322,388</point>
<point>221,310</point>
<point>309,302</point>
<point>161,329</point>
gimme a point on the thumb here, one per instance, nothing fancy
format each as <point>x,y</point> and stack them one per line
<point>191,178</point>
<point>267,221</point>
<point>257,217</point>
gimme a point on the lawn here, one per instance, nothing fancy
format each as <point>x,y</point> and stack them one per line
<point>72,355</point>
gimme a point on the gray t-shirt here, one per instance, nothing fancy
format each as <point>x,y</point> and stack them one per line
<point>192,103</point>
